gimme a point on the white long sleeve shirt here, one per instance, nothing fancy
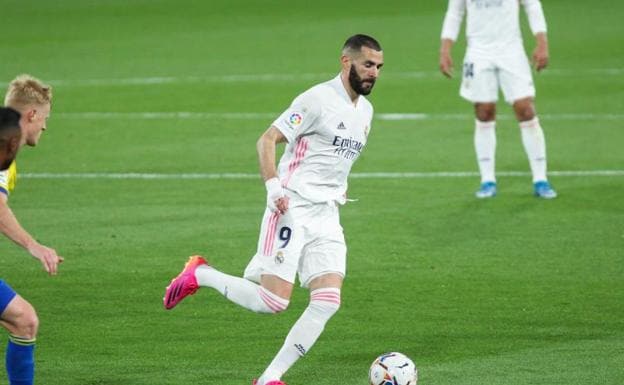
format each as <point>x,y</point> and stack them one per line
<point>492,26</point>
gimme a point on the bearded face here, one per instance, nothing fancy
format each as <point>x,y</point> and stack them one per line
<point>364,67</point>
<point>363,86</point>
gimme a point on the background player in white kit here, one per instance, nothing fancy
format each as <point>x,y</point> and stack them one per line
<point>326,128</point>
<point>495,58</point>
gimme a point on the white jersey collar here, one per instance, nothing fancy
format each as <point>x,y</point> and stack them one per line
<point>336,83</point>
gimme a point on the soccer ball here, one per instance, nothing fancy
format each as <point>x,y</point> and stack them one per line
<point>393,369</point>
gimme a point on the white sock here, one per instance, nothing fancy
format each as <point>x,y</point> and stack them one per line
<point>485,146</point>
<point>535,147</point>
<point>241,291</point>
<point>304,333</point>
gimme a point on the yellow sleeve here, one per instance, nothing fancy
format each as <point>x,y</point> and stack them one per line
<point>8,178</point>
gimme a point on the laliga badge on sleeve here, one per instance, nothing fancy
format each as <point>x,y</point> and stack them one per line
<point>295,119</point>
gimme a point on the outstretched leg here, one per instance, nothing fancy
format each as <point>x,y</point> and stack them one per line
<point>270,297</point>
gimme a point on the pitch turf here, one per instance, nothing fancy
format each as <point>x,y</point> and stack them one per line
<point>512,290</point>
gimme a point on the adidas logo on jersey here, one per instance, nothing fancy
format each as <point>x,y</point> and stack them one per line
<point>341,126</point>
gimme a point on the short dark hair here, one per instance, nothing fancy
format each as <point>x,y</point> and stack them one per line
<point>356,42</point>
<point>9,120</point>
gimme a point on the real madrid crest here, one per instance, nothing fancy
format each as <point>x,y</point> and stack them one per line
<point>279,257</point>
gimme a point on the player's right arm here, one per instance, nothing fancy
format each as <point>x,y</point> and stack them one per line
<point>297,120</point>
<point>10,227</point>
<point>446,61</point>
<point>266,147</point>
<point>450,30</point>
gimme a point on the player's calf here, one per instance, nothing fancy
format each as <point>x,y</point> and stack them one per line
<point>324,303</point>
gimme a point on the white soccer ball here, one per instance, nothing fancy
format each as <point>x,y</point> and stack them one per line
<point>393,369</point>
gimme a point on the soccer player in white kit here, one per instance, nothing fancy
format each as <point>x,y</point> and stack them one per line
<point>325,128</point>
<point>495,58</point>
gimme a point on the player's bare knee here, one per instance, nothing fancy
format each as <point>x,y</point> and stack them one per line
<point>485,112</point>
<point>525,115</point>
<point>524,109</point>
<point>27,324</point>
<point>276,286</point>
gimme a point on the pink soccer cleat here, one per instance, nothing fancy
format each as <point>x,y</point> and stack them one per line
<point>184,284</point>
<point>255,382</point>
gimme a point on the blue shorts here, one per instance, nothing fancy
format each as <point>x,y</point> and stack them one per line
<point>6,295</point>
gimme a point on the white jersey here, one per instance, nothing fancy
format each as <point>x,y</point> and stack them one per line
<point>492,26</point>
<point>326,133</point>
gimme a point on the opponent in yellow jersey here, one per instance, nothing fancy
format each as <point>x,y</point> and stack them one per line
<point>30,101</point>
<point>8,178</point>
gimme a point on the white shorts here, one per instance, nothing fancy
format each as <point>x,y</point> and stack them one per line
<point>308,240</point>
<point>483,76</point>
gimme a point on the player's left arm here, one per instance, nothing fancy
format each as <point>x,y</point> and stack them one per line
<point>537,22</point>
<point>540,53</point>
<point>450,30</point>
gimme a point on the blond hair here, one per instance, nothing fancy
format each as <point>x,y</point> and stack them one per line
<point>27,90</point>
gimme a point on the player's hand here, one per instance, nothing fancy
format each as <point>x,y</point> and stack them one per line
<point>47,256</point>
<point>276,200</point>
<point>540,57</point>
<point>446,64</point>
<point>282,204</point>
<point>540,53</point>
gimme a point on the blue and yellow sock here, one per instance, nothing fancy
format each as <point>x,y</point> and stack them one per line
<point>20,360</point>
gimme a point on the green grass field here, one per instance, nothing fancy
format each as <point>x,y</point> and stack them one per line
<point>510,291</point>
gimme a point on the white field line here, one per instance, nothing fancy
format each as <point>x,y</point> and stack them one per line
<point>561,116</point>
<point>167,115</point>
<point>393,116</point>
<point>360,175</point>
<point>246,78</point>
